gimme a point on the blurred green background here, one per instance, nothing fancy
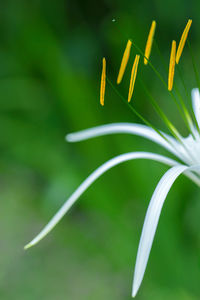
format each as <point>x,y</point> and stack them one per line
<point>50,65</point>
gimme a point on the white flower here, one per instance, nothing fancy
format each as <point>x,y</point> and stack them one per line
<point>187,151</point>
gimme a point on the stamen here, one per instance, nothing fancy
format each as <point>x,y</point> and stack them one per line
<point>172,66</point>
<point>103,82</point>
<point>149,42</point>
<point>183,40</point>
<point>133,77</point>
<point>124,61</point>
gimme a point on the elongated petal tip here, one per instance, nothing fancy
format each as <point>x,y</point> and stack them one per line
<point>137,280</point>
<point>77,136</point>
<point>28,246</point>
<point>69,138</point>
<point>134,290</point>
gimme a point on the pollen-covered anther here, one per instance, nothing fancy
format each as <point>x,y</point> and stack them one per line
<point>172,66</point>
<point>133,77</point>
<point>183,40</point>
<point>103,82</point>
<point>124,61</point>
<point>149,42</point>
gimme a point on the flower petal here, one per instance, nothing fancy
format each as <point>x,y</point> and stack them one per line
<point>151,221</point>
<point>130,128</point>
<point>89,180</point>
<point>196,104</point>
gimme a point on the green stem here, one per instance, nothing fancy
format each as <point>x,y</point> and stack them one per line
<point>161,114</point>
<point>146,121</point>
<point>186,116</point>
<point>165,85</point>
<point>137,113</point>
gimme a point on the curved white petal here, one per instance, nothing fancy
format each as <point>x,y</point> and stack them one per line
<point>196,104</point>
<point>151,221</point>
<point>129,128</point>
<point>89,180</point>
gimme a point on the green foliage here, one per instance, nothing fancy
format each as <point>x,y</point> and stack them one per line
<point>50,58</point>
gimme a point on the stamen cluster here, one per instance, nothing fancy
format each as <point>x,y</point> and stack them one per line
<point>174,59</point>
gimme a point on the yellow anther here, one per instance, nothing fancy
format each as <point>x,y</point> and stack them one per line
<point>172,66</point>
<point>124,61</point>
<point>149,42</point>
<point>133,77</point>
<point>183,40</point>
<point>103,82</point>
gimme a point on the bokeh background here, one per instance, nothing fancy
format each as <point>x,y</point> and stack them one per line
<point>50,65</point>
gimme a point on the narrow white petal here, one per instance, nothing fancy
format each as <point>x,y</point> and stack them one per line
<point>151,221</point>
<point>129,128</point>
<point>95,175</point>
<point>196,104</point>
<point>192,176</point>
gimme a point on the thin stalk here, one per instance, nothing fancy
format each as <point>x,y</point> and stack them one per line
<point>170,126</point>
<point>161,114</point>
<point>146,121</point>
<point>189,123</point>
<point>187,117</point>
<point>137,113</point>
<point>165,85</point>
